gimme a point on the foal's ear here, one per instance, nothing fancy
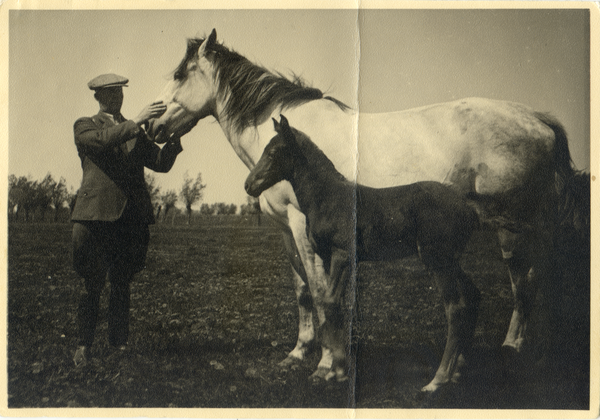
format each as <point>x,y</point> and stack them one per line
<point>207,43</point>
<point>286,131</point>
<point>284,122</point>
<point>276,125</point>
<point>284,127</point>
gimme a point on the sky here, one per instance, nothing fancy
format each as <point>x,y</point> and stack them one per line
<point>376,60</point>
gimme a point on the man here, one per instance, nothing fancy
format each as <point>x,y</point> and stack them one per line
<point>113,207</point>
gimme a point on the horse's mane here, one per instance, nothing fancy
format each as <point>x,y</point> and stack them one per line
<point>315,156</point>
<point>249,90</point>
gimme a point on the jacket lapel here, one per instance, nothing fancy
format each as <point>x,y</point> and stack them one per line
<point>106,121</point>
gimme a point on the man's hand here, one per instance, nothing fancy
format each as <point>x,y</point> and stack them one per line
<point>174,140</point>
<point>154,110</point>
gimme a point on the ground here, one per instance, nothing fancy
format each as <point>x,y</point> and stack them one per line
<point>214,312</point>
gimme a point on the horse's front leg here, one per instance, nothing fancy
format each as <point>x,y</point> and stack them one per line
<point>306,328</point>
<point>314,274</point>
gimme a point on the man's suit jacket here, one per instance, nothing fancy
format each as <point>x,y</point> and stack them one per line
<point>113,185</point>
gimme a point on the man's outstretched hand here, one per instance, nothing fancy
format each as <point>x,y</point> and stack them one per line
<point>154,110</point>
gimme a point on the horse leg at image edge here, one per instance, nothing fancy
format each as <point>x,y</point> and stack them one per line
<point>518,251</point>
<point>308,273</point>
<point>461,300</point>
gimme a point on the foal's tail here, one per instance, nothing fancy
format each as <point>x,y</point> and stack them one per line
<point>572,186</point>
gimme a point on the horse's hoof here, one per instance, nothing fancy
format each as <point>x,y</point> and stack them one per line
<point>433,387</point>
<point>289,361</point>
<point>515,347</point>
<point>342,378</point>
<point>429,389</point>
<point>320,374</point>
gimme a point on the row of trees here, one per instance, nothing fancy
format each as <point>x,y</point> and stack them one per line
<point>30,200</point>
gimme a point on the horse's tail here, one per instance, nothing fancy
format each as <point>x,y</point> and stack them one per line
<point>572,186</point>
<point>574,207</point>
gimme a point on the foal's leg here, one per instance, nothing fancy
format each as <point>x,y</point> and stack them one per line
<point>315,275</point>
<point>461,300</point>
<point>335,331</point>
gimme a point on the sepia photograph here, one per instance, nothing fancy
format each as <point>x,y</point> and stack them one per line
<point>268,211</point>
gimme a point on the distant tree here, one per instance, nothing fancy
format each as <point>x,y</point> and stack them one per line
<point>27,196</point>
<point>223,208</point>
<point>251,207</point>
<point>71,200</point>
<point>153,190</point>
<point>13,196</point>
<point>168,200</point>
<point>207,210</point>
<point>17,188</point>
<point>58,194</point>
<point>43,194</point>
<point>191,193</point>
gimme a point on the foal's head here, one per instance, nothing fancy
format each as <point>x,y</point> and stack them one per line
<point>277,161</point>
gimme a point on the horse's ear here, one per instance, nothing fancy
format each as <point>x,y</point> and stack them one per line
<point>212,38</point>
<point>276,125</point>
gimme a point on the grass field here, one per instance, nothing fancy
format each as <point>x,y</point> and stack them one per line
<point>215,311</point>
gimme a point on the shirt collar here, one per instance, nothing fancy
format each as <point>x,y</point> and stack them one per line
<point>116,119</point>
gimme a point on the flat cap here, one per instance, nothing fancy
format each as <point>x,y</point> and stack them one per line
<point>107,80</point>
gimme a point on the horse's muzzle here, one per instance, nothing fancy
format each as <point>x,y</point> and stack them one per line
<point>253,192</point>
<point>156,131</point>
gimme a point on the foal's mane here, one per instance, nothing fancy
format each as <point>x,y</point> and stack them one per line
<point>315,157</point>
<point>247,89</point>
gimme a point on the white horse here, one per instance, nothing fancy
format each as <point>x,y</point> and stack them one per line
<point>516,158</point>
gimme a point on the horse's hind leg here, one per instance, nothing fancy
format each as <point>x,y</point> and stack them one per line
<point>526,256</point>
<point>461,300</point>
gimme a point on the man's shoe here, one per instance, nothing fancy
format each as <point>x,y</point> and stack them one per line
<point>80,357</point>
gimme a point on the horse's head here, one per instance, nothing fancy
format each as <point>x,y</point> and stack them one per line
<point>277,161</point>
<point>191,95</point>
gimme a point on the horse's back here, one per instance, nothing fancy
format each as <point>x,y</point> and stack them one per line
<point>477,143</point>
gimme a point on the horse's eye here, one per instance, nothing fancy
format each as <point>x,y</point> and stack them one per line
<point>180,75</point>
